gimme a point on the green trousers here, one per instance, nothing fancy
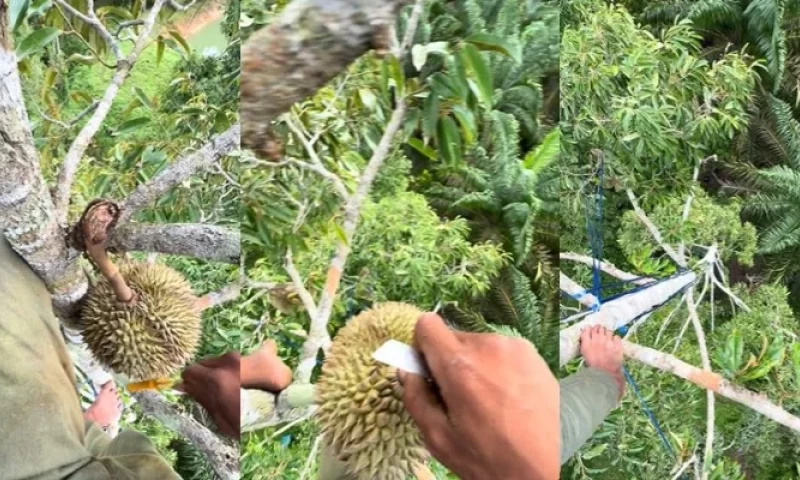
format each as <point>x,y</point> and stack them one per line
<point>42,432</point>
<point>587,398</point>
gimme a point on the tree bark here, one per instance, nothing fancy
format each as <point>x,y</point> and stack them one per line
<point>180,170</point>
<point>711,381</point>
<point>310,43</point>
<point>27,213</point>
<point>223,457</point>
<point>208,242</point>
<point>622,311</point>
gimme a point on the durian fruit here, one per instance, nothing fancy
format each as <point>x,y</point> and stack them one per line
<point>154,336</point>
<point>361,413</point>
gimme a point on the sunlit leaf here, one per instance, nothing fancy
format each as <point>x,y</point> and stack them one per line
<point>36,41</point>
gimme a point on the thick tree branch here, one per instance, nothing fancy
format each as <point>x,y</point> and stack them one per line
<point>310,43</point>
<point>81,142</point>
<point>711,381</point>
<point>208,242</point>
<point>223,458</point>
<point>606,267</point>
<point>26,209</point>
<point>180,170</point>
<point>622,311</point>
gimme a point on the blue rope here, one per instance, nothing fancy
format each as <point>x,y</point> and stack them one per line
<point>594,226</point>
<point>650,415</point>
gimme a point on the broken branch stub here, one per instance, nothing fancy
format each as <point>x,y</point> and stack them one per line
<point>310,43</point>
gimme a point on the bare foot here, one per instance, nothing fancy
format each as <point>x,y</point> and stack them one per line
<point>107,407</point>
<point>603,350</point>
<point>264,370</point>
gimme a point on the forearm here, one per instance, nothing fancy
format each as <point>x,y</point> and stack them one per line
<point>587,398</point>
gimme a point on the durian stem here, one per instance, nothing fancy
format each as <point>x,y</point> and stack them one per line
<point>98,219</point>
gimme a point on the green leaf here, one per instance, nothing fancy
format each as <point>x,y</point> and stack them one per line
<point>396,72</point>
<point>595,451</point>
<point>368,98</point>
<point>131,125</point>
<point>448,140</point>
<point>419,52</point>
<point>182,41</point>
<point>544,154</point>
<point>36,41</point>
<point>480,72</point>
<point>18,12</point>
<point>417,144</point>
<point>82,59</point>
<point>430,116</point>
<point>115,11</point>
<point>143,98</point>
<point>466,119</point>
<point>159,49</point>
<point>796,362</point>
<point>493,43</point>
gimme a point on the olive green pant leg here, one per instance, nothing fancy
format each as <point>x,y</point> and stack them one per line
<point>587,398</point>
<point>42,425</point>
<point>44,435</point>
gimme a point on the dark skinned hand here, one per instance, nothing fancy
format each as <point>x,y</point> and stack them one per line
<point>494,409</point>
<point>214,384</point>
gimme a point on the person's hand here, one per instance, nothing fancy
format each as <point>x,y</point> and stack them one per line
<point>214,384</point>
<point>494,409</point>
<point>264,370</point>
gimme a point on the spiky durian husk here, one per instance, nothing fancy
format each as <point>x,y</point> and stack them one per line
<point>152,338</point>
<point>361,412</point>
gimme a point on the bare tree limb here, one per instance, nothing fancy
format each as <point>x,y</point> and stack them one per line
<point>209,242</point>
<point>411,28</point>
<point>282,64</point>
<point>571,288</point>
<point>316,163</point>
<point>180,170</point>
<point>225,294</point>
<point>302,292</point>
<point>71,123</point>
<point>651,227</point>
<point>318,337</point>
<point>606,267</point>
<point>179,7</point>
<point>711,381</point>
<point>223,458</point>
<point>706,362</point>
<point>81,142</point>
<point>91,19</point>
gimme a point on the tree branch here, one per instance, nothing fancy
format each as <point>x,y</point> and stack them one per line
<point>307,299</point>
<point>651,227</point>
<point>208,242</point>
<point>571,288</point>
<point>621,311</point>
<point>180,170</point>
<point>81,142</point>
<point>318,336</point>
<point>91,19</point>
<point>290,60</point>
<point>711,381</point>
<point>225,294</point>
<point>223,458</point>
<point>706,362</point>
<point>316,163</point>
<point>606,267</point>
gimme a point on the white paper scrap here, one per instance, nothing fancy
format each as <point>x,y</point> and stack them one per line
<point>399,355</point>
